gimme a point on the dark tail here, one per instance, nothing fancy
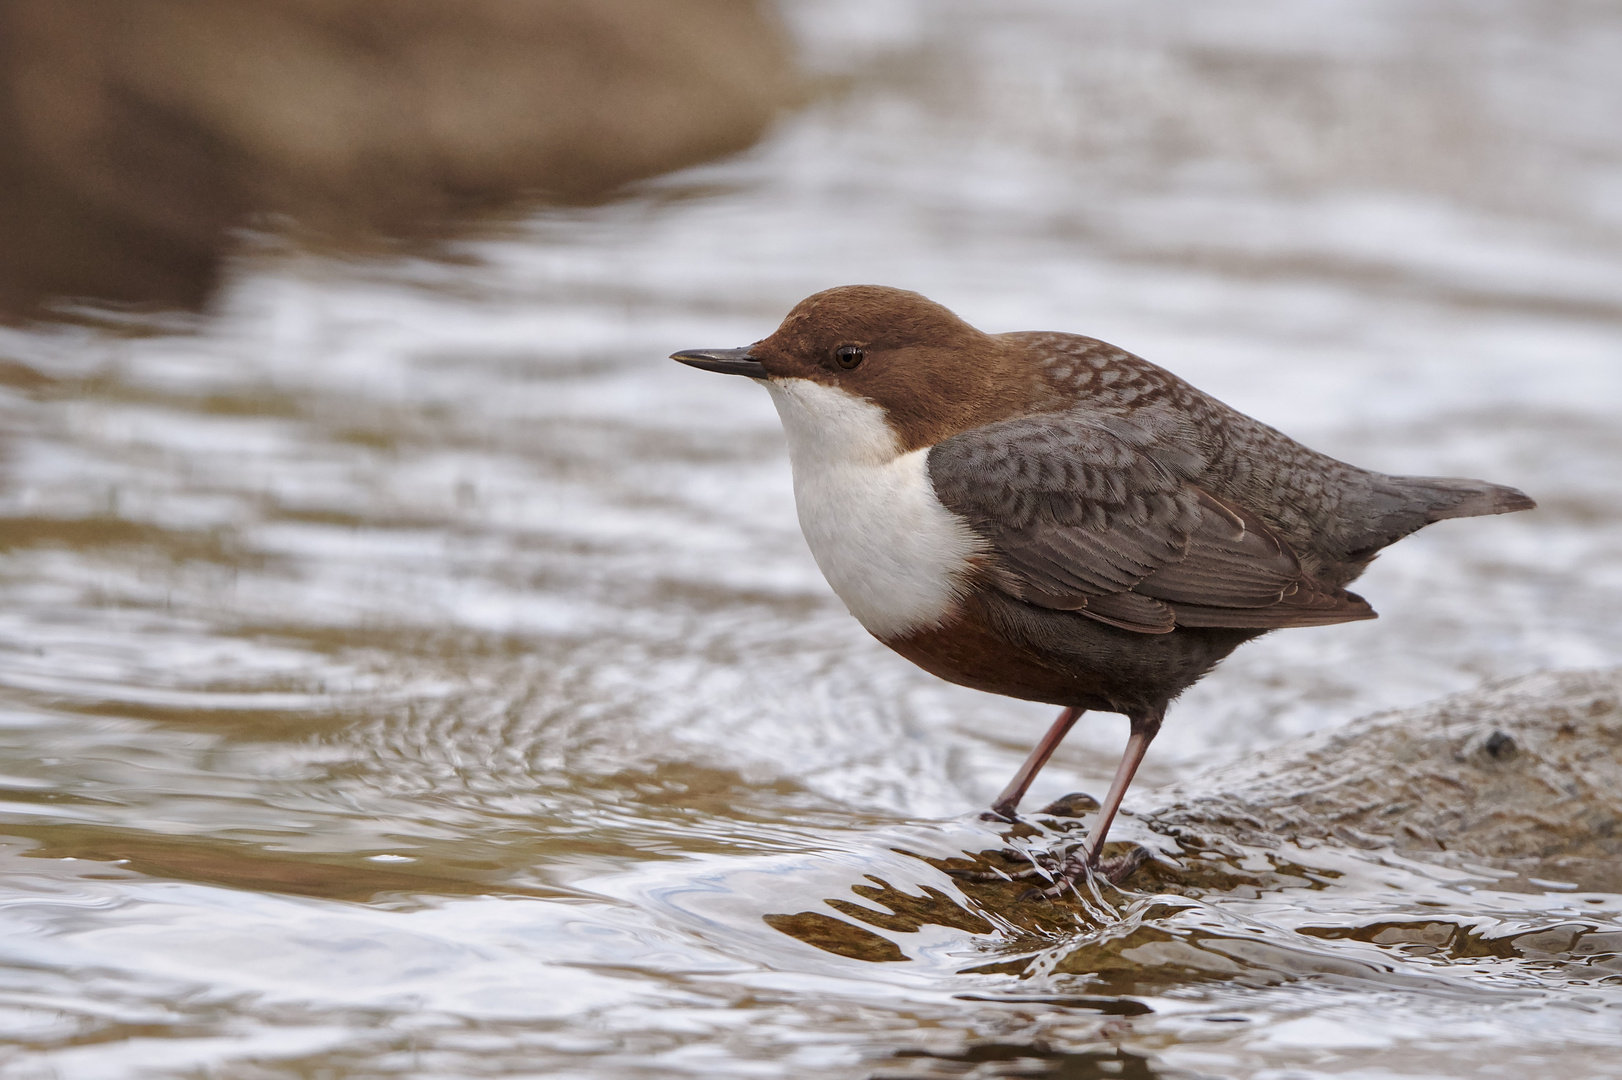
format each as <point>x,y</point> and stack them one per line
<point>1399,505</point>
<point>1447,497</point>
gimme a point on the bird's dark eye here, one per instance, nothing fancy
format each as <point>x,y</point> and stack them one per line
<point>848,356</point>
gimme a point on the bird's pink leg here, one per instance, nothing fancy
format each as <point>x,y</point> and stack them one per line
<point>1144,729</point>
<point>1008,801</point>
<point>1143,733</point>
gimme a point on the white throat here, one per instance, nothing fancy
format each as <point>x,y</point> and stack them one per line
<point>891,551</point>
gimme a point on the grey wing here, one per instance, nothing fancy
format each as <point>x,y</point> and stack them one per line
<point>1094,516</point>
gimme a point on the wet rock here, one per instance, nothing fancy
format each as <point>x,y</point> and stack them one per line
<point>1073,805</point>
<point>1499,746</point>
<point>1526,775</point>
<point>837,936</point>
<point>137,135</point>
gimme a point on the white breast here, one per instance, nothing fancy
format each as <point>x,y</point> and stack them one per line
<point>891,551</point>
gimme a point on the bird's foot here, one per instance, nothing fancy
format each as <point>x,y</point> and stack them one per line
<point>1077,868</point>
<point>1117,868</point>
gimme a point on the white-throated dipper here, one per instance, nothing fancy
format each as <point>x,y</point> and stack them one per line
<point>1046,516</point>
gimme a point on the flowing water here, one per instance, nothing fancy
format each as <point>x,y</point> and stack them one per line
<point>405,670</point>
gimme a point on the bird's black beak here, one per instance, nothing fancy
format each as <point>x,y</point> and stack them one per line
<point>726,361</point>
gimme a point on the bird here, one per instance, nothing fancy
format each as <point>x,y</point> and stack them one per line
<point>1049,517</point>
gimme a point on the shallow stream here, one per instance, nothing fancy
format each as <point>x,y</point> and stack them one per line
<point>405,670</point>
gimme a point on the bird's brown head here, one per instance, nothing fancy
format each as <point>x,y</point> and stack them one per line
<point>931,373</point>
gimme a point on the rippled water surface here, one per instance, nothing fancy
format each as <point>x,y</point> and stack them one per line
<point>406,670</point>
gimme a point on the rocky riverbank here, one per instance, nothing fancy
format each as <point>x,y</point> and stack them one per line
<point>138,137</point>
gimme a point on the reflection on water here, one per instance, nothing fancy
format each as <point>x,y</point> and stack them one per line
<point>407,671</point>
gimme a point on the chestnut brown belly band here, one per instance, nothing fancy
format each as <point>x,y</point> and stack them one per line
<point>1006,646</point>
<point>965,650</point>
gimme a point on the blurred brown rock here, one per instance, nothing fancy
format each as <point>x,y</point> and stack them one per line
<point>135,135</point>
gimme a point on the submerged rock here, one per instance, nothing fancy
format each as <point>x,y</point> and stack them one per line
<point>136,135</point>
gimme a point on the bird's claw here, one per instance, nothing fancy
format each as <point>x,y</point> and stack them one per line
<point>1114,870</point>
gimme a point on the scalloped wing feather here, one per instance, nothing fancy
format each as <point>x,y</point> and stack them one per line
<point>1088,517</point>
